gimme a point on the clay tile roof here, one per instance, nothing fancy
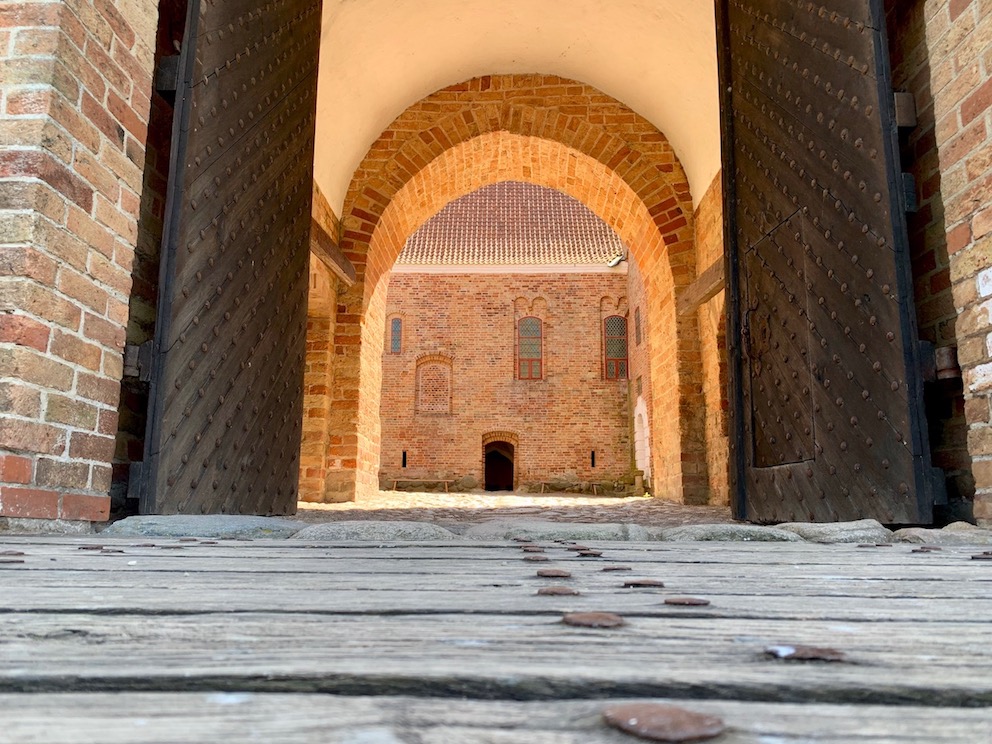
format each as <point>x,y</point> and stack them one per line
<point>512,223</point>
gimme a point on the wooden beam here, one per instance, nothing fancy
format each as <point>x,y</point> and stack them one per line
<point>324,247</point>
<point>705,288</point>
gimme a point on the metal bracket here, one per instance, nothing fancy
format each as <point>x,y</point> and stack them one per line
<point>138,361</point>
<point>167,74</point>
<point>905,109</point>
<point>134,480</point>
<point>912,206</point>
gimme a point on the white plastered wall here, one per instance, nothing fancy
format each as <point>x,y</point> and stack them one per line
<point>378,57</point>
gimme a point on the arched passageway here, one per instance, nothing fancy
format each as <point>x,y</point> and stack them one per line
<point>622,168</point>
<point>499,457</point>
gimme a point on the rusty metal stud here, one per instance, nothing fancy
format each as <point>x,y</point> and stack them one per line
<point>553,573</point>
<point>593,619</point>
<point>557,591</point>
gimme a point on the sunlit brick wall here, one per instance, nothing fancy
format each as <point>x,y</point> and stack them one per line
<point>465,326</point>
<point>75,79</point>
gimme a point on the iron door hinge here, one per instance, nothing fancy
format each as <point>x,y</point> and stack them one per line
<point>138,361</point>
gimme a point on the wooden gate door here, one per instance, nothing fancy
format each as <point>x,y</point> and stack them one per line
<point>227,377</point>
<point>826,392</point>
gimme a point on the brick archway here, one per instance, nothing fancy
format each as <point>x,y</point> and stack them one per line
<point>551,132</point>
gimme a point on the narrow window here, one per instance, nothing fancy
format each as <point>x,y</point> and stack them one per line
<point>529,349</point>
<point>404,458</point>
<point>637,326</point>
<point>615,330</point>
<point>592,458</point>
<point>640,387</point>
<point>395,335</point>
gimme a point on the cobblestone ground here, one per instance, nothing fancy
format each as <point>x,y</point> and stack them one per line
<point>453,509</point>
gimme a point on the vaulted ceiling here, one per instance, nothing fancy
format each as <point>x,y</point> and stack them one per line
<point>380,56</point>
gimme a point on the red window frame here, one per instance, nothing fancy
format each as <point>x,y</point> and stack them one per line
<point>616,366</point>
<point>530,349</point>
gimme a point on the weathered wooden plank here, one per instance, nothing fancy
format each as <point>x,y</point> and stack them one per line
<point>175,718</point>
<point>484,655</point>
<point>706,286</point>
<point>148,596</point>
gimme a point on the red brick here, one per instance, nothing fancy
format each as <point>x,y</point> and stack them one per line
<point>17,329</point>
<point>977,103</point>
<point>29,503</point>
<point>27,436</point>
<point>28,102</point>
<point>91,447</point>
<point>110,335</point>
<point>39,301</point>
<point>20,400</point>
<point>85,507</point>
<point>26,262</point>
<point>957,7</point>
<point>25,364</point>
<point>29,14</point>
<point>69,411</point>
<point>119,108</point>
<point>102,120</point>
<point>99,389</point>
<point>36,164</point>
<point>61,474</point>
<point>76,350</point>
<point>84,289</point>
<point>15,469</point>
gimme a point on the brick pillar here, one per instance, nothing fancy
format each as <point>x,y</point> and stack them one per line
<point>75,79</point>
<point>959,47</point>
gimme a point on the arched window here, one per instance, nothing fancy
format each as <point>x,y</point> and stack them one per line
<point>530,350</point>
<point>396,335</point>
<point>637,326</point>
<point>615,332</point>
<point>434,386</point>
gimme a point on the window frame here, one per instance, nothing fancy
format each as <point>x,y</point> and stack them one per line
<point>617,361</point>
<point>395,348</point>
<point>530,360</point>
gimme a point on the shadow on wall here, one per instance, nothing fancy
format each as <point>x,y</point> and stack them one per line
<point>930,246</point>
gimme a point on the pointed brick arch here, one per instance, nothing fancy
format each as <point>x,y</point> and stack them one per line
<point>544,106</point>
<point>550,132</point>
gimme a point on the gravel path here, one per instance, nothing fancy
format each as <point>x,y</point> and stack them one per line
<point>454,509</point>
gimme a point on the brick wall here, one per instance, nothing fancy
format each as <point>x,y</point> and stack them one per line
<point>318,376</point>
<point>713,346</point>
<point>446,128</point>
<point>678,461</point>
<point>317,381</point>
<point>73,111</point>
<point>641,399</point>
<point>942,53</point>
<point>458,355</point>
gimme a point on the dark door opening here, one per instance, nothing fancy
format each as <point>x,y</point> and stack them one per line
<point>499,466</point>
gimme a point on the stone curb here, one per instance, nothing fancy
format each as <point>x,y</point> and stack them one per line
<point>235,527</point>
<point>274,528</point>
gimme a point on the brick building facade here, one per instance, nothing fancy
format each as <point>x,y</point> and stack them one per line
<point>496,320</point>
<point>81,190</point>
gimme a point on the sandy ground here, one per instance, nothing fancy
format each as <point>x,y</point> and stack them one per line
<point>479,506</point>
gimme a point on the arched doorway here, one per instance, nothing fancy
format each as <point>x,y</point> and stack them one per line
<point>499,466</point>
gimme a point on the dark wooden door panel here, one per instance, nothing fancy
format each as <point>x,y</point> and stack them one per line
<point>776,348</point>
<point>224,433</point>
<point>827,400</point>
